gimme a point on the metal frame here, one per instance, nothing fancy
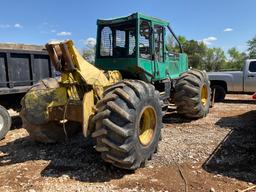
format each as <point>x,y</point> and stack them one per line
<point>148,70</point>
<point>10,86</point>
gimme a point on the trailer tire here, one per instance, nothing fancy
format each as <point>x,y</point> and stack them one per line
<point>193,94</point>
<point>128,124</point>
<point>5,122</point>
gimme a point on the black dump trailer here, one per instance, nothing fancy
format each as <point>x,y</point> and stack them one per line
<point>21,66</point>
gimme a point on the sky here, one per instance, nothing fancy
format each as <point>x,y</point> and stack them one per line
<point>218,23</point>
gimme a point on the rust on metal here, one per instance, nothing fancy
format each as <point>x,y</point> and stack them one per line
<point>73,111</point>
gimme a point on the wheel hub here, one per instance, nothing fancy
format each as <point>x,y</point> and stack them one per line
<point>1,122</point>
<point>147,125</point>
<point>204,95</point>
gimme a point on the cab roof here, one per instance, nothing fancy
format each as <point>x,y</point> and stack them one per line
<point>131,17</point>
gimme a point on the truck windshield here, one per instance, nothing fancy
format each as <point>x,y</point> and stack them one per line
<point>118,40</point>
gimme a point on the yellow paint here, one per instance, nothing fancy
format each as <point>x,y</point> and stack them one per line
<point>38,101</point>
<point>59,97</point>
<point>204,95</point>
<point>147,125</point>
<point>68,81</point>
<point>114,76</point>
<point>88,110</point>
<point>88,74</point>
<point>81,82</point>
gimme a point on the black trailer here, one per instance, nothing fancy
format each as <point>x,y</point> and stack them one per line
<point>21,66</point>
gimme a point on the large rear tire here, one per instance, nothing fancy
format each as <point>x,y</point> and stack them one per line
<point>193,94</point>
<point>40,129</point>
<point>5,122</point>
<point>128,124</point>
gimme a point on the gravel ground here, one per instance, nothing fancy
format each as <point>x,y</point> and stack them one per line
<point>216,153</point>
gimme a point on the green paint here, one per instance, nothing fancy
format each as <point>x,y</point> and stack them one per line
<point>150,69</point>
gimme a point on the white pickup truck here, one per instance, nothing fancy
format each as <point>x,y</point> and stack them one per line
<point>234,81</point>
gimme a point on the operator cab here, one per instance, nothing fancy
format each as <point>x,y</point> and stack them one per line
<point>137,46</point>
<point>118,41</point>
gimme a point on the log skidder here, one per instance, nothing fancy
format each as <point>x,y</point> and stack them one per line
<point>120,100</point>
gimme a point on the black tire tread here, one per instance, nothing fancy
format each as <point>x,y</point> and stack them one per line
<point>220,93</point>
<point>116,146</point>
<point>187,94</point>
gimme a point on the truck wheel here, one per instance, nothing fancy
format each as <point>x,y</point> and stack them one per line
<point>220,93</point>
<point>193,94</point>
<point>5,122</point>
<point>46,132</point>
<point>128,124</point>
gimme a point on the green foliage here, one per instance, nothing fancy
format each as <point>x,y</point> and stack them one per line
<point>236,59</point>
<point>252,48</point>
<point>89,55</point>
<point>89,51</point>
<point>212,59</point>
<point>195,51</point>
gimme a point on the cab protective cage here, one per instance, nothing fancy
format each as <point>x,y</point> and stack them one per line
<point>119,47</point>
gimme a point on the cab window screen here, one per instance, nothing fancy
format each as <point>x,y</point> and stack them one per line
<point>144,40</point>
<point>120,44</point>
<point>159,44</point>
<point>106,45</point>
<point>118,40</point>
<point>132,43</point>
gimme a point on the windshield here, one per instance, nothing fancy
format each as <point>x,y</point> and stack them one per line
<point>118,40</point>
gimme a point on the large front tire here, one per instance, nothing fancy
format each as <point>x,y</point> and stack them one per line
<point>128,124</point>
<point>193,94</point>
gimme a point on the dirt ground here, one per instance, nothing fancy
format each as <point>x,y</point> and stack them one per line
<point>216,153</point>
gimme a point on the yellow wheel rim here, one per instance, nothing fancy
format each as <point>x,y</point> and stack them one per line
<point>147,125</point>
<point>204,95</point>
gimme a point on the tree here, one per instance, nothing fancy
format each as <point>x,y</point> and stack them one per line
<point>194,49</point>
<point>89,55</point>
<point>214,59</point>
<point>252,48</point>
<point>236,59</point>
<point>172,45</point>
<point>89,52</point>
<point>211,59</point>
